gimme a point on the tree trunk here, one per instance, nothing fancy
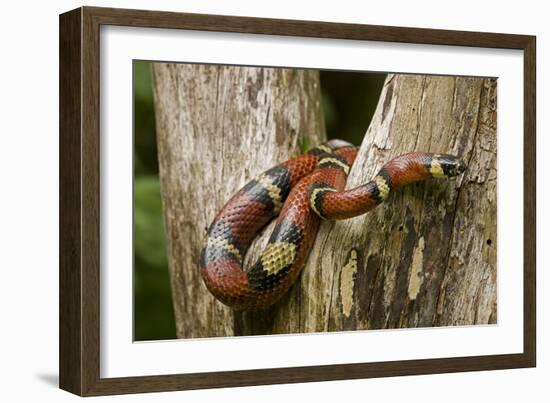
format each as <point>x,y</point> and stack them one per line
<point>217,128</point>
<point>426,257</point>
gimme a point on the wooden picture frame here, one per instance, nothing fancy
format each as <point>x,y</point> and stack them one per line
<point>80,200</point>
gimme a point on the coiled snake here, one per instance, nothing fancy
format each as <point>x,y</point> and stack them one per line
<point>301,191</point>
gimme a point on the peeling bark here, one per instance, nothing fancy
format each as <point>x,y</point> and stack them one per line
<point>426,257</point>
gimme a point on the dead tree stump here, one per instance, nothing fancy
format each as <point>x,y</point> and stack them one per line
<point>426,257</point>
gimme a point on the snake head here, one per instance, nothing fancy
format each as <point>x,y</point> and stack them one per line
<point>461,167</point>
<point>451,165</point>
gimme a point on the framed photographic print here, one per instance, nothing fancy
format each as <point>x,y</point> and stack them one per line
<point>250,201</point>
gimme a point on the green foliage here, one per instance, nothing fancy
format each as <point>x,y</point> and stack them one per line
<point>149,239</point>
<point>153,316</point>
<point>153,310</point>
<point>145,144</point>
<point>304,146</point>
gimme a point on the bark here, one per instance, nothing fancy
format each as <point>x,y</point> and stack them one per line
<point>426,257</point>
<point>217,128</point>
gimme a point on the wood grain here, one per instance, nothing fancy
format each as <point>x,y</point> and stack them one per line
<point>70,271</point>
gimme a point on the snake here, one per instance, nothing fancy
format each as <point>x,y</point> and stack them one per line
<point>300,192</point>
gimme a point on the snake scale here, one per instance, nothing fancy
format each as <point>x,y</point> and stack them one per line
<point>301,192</point>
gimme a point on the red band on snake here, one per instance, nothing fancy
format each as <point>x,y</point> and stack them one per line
<point>301,192</point>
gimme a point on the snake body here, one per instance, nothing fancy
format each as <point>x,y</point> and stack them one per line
<point>301,192</point>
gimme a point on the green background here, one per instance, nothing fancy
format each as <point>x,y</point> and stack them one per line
<point>349,100</point>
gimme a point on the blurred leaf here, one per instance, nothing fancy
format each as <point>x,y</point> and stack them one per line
<point>153,314</point>
<point>145,142</point>
<point>304,146</point>
<point>143,88</point>
<point>149,237</point>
